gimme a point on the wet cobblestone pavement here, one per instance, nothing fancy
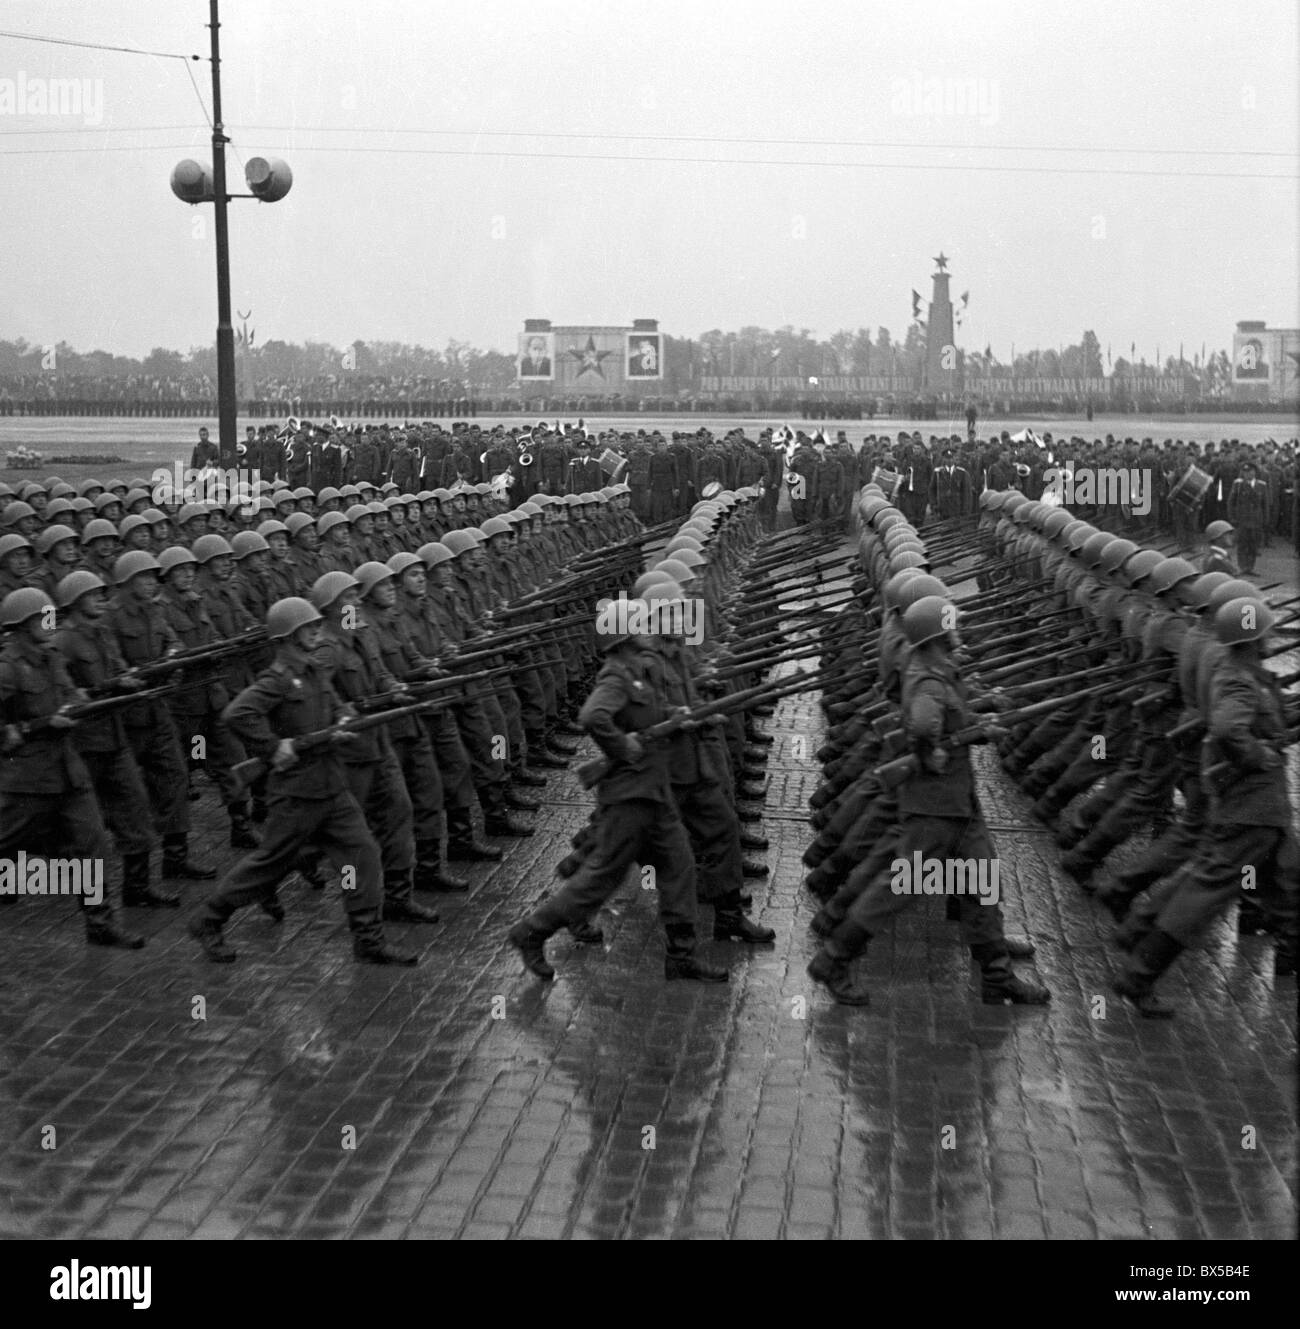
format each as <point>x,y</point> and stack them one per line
<point>320,1098</point>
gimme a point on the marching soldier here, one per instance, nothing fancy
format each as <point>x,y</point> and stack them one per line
<point>637,820</point>
<point>308,792</point>
<point>47,801</point>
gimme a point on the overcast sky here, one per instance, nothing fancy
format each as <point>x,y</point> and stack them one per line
<point>1114,124</point>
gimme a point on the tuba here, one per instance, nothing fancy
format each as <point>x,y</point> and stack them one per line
<point>712,489</point>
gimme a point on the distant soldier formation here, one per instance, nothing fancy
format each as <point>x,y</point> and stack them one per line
<point>382,640</point>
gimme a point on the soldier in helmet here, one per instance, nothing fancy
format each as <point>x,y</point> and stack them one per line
<point>142,635</point>
<point>308,792</point>
<point>47,801</point>
<point>95,665</point>
<point>941,819</point>
<point>1219,539</point>
<point>637,820</point>
<point>1249,820</point>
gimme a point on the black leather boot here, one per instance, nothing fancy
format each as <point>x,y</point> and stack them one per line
<point>836,976</point>
<point>533,779</point>
<point>586,933</point>
<point>521,802</point>
<point>680,960</point>
<point>398,905</point>
<point>177,863</point>
<point>530,943</point>
<point>138,891</point>
<point>999,984</point>
<point>207,932</point>
<point>430,874</point>
<point>754,843</point>
<point>1147,961</point>
<point>103,929</point>
<point>370,946</point>
<point>463,846</point>
<point>730,923</point>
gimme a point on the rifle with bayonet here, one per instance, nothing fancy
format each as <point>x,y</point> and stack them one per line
<point>94,708</point>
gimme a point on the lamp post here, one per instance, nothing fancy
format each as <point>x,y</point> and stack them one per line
<point>269,180</point>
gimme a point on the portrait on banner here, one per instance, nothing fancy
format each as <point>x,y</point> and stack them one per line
<point>536,360</point>
<point>644,355</point>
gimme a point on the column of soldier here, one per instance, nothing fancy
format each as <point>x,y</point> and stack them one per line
<point>361,672</point>
<point>1111,676</point>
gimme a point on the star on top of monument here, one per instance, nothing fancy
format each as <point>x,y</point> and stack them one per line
<point>589,358</point>
<point>941,262</point>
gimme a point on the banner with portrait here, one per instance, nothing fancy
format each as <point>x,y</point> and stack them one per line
<point>536,356</point>
<point>644,355</point>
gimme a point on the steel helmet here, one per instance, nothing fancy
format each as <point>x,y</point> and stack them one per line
<point>356,512</point>
<point>928,618</point>
<point>615,619</point>
<point>457,542</point>
<point>248,542</point>
<point>907,558</point>
<point>1232,589</point>
<point>106,500</point>
<point>496,526</point>
<point>1055,522</point>
<point>1216,530</point>
<point>20,605</point>
<point>1247,618</point>
<point>57,508</point>
<point>515,516</point>
<point>328,493</point>
<point>298,521</point>
<point>98,529</point>
<point>273,527</point>
<point>348,491</point>
<point>1170,573</point>
<point>16,511</point>
<point>173,557</point>
<point>59,488</point>
<point>328,522</point>
<point>1080,537</point>
<point>154,517</point>
<point>325,590</point>
<point>433,553</point>
<point>86,486</point>
<point>132,523</point>
<point>303,492</point>
<point>693,558</point>
<point>475,533</point>
<point>662,590</point>
<point>1116,554</point>
<point>400,562</point>
<point>376,508</point>
<point>1141,565</point>
<point>393,501</point>
<point>8,543</point>
<point>893,587</point>
<point>189,511</point>
<point>683,541</point>
<point>1094,547</point>
<point>75,585</point>
<point>82,505</point>
<point>652,578</point>
<point>132,564</point>
<point>678,571</point>
<point>530,508</point>
<point>367,577</point>
<point>992,499</point>
<point>208,547</point>
<point>444,495</point>
<point>51,536</point>
<point>918,586</point>
<point>1204,587</point>
<point>285,617</point>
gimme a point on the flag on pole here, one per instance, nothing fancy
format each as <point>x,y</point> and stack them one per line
<point>916,305</point>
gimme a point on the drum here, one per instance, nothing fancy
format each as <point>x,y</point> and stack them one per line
<point>1190,488</point>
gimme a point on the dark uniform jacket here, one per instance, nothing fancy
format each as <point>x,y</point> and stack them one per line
<point>935,704</point>
<point>627,698</point>
<point>1247,728</point>
<point>34,683</point>
<point>93,661</point>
